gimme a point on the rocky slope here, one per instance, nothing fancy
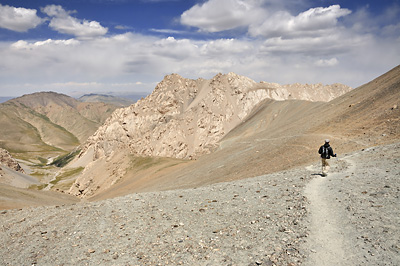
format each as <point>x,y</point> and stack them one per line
<point>12,174</point>
<point>266,220</point>
<point>7,160</point>
<point>184,119</point>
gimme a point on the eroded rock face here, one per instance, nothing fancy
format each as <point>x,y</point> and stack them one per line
<point>7,160</point>
<point>184,118</point>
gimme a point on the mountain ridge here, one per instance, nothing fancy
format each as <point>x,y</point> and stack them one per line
<point>183,119</point>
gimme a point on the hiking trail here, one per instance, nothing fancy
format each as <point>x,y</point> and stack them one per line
<point>327,242</point>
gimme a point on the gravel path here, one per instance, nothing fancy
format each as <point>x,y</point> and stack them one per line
<point>355,211</point>
<point>266,220</point>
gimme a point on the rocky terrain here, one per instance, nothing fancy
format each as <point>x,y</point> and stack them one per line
<point>185,118</point>
<point>7,160</point>
<point>354,212</point>
<point>12,174</point>
<point>182,119</point>
<point>256,197</point>
<point>273,219</point>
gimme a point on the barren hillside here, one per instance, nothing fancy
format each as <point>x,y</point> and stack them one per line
<point>48,121</point>
<point>181,119</point>
<point>208,217</point>
<point>347,218</point>
<point>275,135</point>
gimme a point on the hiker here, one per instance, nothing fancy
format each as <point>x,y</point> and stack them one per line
<point>326,152</point>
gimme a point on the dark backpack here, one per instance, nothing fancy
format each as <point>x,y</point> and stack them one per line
<point>324,151</point>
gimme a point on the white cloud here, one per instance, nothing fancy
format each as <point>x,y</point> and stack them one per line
<point>327,62</point>
<point>18,19</point>
<point>261,18</point>
<point>225,46</point>
<point>175,49</point>
<point>315,22</point>
<point>56,11</point>
<point>220,15</point>
<point>25,45</point>
<point>308,47</point>
<point>62,22</point>
<point>169,31</point>
<point>336,42</point>
<point>113,62</point>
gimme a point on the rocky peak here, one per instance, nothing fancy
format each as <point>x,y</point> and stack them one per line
<point>182,118</point>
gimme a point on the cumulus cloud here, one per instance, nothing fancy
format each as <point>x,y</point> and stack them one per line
<point>260,18</point>
<point>18,19</point>
<point>283,46</point>
<point>175,49</point>
<point>315,31</point>
<point>26,45</point>
<point>63,22</point>
<point>225,46</point>
<point>220,15</point>
<point>314,21</point>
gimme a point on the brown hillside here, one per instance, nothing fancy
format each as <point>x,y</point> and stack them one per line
<point>48,121</point>
<point>281,135</point>
<point>183,119</point>
<point>369,114</point>
<point>79,118</point>
<point>13,198</point>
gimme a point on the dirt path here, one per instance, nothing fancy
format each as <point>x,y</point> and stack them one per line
<point>349,218</point>
<point>353,212</point>
<point>327,241</point>
<point>326,238</point>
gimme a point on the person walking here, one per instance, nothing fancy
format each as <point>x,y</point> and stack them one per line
<point>326,152</point>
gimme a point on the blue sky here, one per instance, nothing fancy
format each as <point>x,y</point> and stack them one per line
<point>127,46</point>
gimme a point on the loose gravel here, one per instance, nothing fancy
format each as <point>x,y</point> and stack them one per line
<point>263,220</point>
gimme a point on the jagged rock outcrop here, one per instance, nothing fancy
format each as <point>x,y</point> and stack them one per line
<point>7,160</point>
<point>182,118</point>
<point>185,118</point>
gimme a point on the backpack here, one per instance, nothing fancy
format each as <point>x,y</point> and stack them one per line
<point>324,151</point>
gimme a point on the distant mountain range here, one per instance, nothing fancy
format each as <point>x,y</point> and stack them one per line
<point>102,98</point>
<point>49,121</point>
<point>4,99</point>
